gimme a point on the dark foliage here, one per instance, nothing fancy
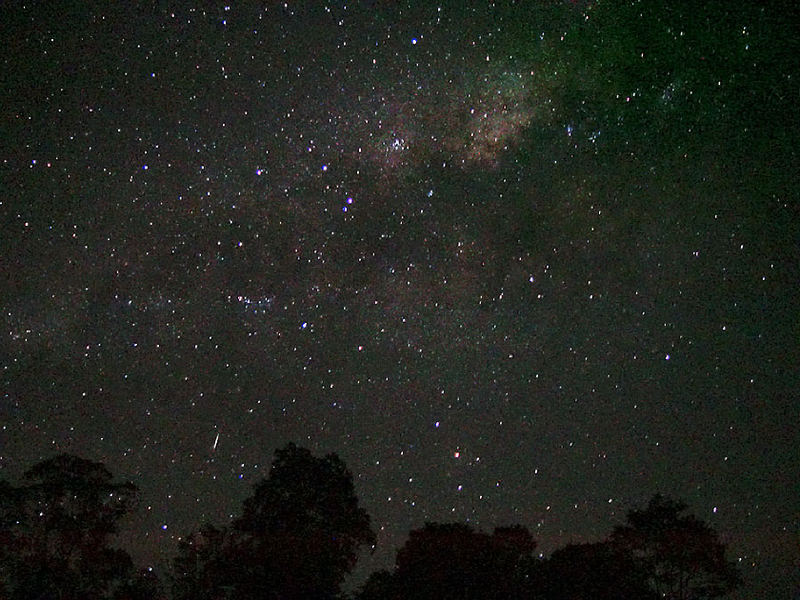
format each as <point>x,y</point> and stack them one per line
<point>55,530</point>
<point>143,585</point>
<point>204,567</point>
<point>443,561</point>
<point>657,554</point>
<point>592,571</point>
<point>300,533</point>
<point>681,556</point>
<point>298,536</point>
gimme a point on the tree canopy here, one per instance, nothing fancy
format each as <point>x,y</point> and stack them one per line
<point>55,532</point>
<point>658,553</point>
<point>453,560</point>
<point>682,556</point>
<point>298,536</point>
<point>599,571</point>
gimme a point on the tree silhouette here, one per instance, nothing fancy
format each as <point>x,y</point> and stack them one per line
<point>597,571</point>
<point>380,585</point>
<point>298,536</point>
<point>681,556</point>
<point>55,530</point>
<point>452,560</point>
<point>444,560</point>
<point>204,567</point>
<point>142,585</point>
<point>512,561</point>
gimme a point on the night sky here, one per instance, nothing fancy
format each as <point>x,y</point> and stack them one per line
<point>523,262</point>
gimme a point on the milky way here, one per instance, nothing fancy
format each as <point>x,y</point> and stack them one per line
<point>514,262</point>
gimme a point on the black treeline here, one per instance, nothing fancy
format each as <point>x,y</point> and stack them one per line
<point>300,533</point>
